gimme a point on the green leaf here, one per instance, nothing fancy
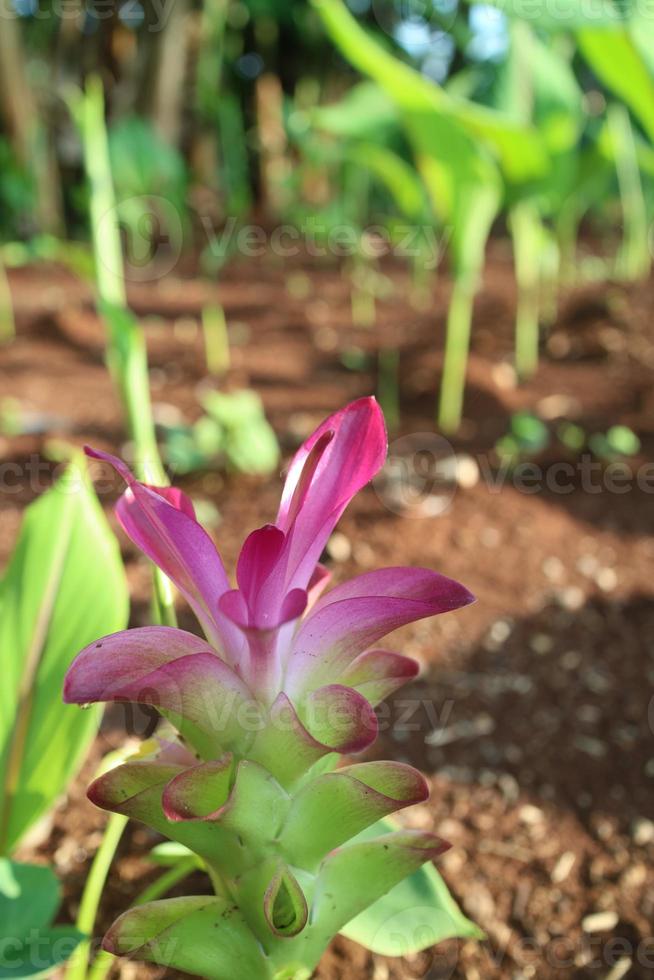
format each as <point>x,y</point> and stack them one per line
<point>518,147</point>
<point>398,176</point>
<point>39,954</point>
<point>170,853</point>
<point>364,113</point>
<point>617,62</point>
<point>623,441</point>
<point>29,900</point>
<point>417,913</point>
<point>65,587</point>
<point>565,15</point>
<point>29,897</point>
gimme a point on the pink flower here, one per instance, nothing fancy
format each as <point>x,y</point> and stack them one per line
<point>306,661</point>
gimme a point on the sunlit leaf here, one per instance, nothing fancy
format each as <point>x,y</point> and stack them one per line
<point>64,587</point>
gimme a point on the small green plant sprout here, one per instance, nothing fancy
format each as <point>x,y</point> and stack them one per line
<point>618,442</point>
<point>216,340</point>
<point>571,436</point>
<point>232,432</point>
<point>527,436</point>
<point>31,945</point>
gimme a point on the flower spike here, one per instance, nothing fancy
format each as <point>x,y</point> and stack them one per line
<point>284,683</point>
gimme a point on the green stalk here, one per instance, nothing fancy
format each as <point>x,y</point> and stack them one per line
<point>388,386</point>
<point>103,962</point>
<point>7,322</point>
<point>216,340</point>
<point>526,229</point>
<point>633,259</point>
<point>88,910</point>
<point>567,233</point>
<point>457,343</point>
<point>126,349</point>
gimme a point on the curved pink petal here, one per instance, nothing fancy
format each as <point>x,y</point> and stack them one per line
<point>341,456</point>
<point>161,524</point>
<point>260,663</point>
<point>359,613</point>
<point>257,562</point>
<point>200,694</point>
<point>109,664</point>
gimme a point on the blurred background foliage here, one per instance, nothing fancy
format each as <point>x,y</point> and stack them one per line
<point>229,105</point>
<point>448,119</point>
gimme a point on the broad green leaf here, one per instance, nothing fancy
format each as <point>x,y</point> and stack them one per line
<point>29,900</point>
<point>617,62</point>
<point>641,28</point>
<point>366,112</point>
<point>65,587</point>
<point>517,147</point>
<point>417,913</point>
<point>41,952</point>
<point>562,16</point>
<point>398,176</point>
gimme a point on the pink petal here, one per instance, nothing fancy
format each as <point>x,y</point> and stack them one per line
<point>121,659</point>
<point>160,522</point>
<point>341,456</point>
<point>200,694</point>
<point>359,613</point>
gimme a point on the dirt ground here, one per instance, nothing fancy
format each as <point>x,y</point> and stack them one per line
<point>534,715</point>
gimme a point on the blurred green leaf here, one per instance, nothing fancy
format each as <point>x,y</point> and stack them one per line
<point>617,62</point>
<point>29,900</point>
<point>64,587</point>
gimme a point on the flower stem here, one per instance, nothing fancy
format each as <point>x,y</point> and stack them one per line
<point>92,895</point>
<point>104,961</point>
<point>7,322</point>
<point>527,245</point>
<point>457,342</point>
<point>126,349</point>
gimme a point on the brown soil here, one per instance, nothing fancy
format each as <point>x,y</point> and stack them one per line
<point>534,716</point>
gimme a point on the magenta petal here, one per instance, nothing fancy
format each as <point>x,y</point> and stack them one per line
<point>257,561</point>
<point>160,524</point>
<point>341,456</point>
<point>359,613</point>
<point>109,664</point>
<point>203,697</point>
<point>177,498</point>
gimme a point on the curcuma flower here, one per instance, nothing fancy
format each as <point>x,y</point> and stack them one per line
<point>285,682</point>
